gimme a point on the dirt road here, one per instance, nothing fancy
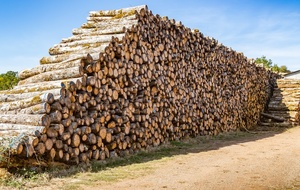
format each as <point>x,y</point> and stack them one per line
<point>267,163</point>
<point>267,160</point>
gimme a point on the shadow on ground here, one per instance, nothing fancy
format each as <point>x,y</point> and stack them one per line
<point>170,149</point>
<point>40,176</point>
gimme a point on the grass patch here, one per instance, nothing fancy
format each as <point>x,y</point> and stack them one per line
<point>12,182</point>
<point>109,171</point>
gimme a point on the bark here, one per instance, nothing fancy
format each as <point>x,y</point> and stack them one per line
<point>117,29</point>
<point>54,75</point>
<point>17,129</point>
<point>41,86</point>
<point>80,42</point>
<point>43,108</point>
<point>80,45</point>
<point>115,12</point>
<point>67,57</point>
<point>26,103</point>
<point>25,119</point>
<point>20,94</point>
<point>49,67</point>
<point>275,118</point>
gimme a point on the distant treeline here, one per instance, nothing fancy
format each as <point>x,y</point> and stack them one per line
<point>268,63</point>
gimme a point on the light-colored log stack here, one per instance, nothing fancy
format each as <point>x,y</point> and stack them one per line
<point>284,103</point>
<point>146,80</point>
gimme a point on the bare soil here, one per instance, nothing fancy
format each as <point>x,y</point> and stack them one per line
<point>272,162</point>
<point>266,160</point>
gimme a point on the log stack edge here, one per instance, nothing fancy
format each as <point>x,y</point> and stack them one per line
<point>125,81</point>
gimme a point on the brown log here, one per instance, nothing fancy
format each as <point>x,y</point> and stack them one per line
<point>48,144</point>
<point>75,140</point>
<point>111,125</point>
<point>65,136</point>
<point>28,151</point>
<point>19,149</point>
<point>102,133</point>
<point>56,116</point>
<point>92,139</point>
<point>52,154</point>
<point>83,157</point>
<point>59,154</point>
<point>108,137</point>
<point>58,127</point>
<point>275,118</point>
<point>59,144</point>
<point>52,132</point>
<point>40,148</point>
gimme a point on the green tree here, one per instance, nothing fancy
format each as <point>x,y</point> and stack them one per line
<point>267,63</point>
<point>283,69</point>
<point>263,61</point>
<point>8,80</point>
<point>275,68</point>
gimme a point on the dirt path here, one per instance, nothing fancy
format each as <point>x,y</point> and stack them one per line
<point>268,160</point>
<point>267,163</point>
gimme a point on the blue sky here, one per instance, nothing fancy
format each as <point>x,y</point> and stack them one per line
<point>271,28</point>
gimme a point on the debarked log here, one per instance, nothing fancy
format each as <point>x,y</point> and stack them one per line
<point>25,103</point>
<point>55,75</point>
<point>48,67</point>
<point>26,119</point>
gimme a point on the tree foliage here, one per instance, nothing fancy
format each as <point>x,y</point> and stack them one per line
<point>8,80</point>
<point>267,63</point>
<point>284,69</point>
<point>263,61</point>
<point>276,68</point>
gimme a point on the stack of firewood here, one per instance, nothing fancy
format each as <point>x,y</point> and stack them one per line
<point>282,110</point>
<point>159,81</point>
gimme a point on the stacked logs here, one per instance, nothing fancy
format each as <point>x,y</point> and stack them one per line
<point>160,81</point>
<point>284,103</point>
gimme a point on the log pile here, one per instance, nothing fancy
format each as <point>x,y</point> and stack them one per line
<point>284,103</point>
<point>127,80</point>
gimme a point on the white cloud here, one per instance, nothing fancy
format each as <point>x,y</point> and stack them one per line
<point>249,29</point>
<point>273,34</point>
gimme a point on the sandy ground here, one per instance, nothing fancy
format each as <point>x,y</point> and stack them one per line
<point>267,163</point>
